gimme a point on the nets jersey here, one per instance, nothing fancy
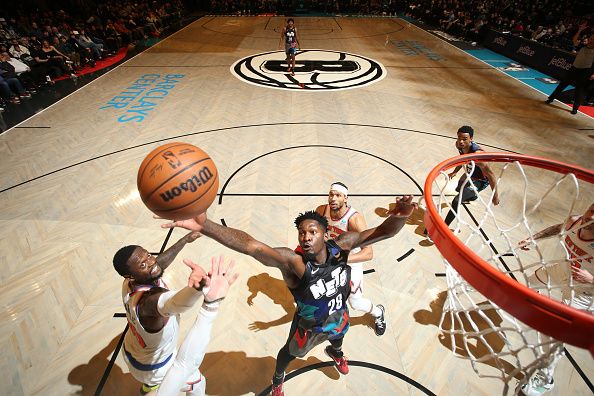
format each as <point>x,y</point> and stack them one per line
<point>339,226</point>
<point>147,351</point>
<point>290,34</point>
<point>322,295</point>
<point>477,174</point>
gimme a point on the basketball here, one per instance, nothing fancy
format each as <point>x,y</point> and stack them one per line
<point>177,181</point>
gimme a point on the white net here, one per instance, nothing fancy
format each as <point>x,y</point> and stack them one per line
<point>532,236</point>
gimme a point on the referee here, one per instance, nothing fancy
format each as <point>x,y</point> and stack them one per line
<point>581,72</point>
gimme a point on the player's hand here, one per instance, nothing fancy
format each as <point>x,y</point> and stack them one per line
<point>258,326</point>
<point>581,275</point>
<point>221,278</point>
<point>451,175</point>
<point>193,224</point>
<point>198,277</point>
<point>404,207</point>
<point>495,200</point>
<point>525,244</point>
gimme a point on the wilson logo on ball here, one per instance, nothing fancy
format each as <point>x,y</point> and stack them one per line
<point>191,185</point>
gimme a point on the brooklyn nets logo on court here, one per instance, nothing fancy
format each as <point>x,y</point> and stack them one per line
<point>315,70</point>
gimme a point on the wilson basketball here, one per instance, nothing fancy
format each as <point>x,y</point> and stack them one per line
<point>177,181</point>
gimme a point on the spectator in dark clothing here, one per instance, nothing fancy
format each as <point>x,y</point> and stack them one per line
<point>54,60</point>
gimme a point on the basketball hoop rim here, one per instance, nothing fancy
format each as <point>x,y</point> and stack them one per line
<point>551,317</point>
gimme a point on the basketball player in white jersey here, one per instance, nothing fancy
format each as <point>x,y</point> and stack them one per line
<point>214,286</point>
<point>153,313</point>
<point>342,218</point>
<point>578,241</point>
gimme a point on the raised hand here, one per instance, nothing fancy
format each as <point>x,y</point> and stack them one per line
<point>221,278</point>
<point>581,275</point>
<point>198,277</point>
<point>524,244</point>
<point>193,224</point>
<point>404,207</point>
<point>258,326</point>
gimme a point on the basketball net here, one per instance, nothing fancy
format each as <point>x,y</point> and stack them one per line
<point>497,344</point>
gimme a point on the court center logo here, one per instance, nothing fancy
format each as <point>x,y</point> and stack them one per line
<point>315,70</point>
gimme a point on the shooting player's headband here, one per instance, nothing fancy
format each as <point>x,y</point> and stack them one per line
<point>340,188</point>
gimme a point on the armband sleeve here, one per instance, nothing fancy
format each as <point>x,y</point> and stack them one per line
<point>177,301</point>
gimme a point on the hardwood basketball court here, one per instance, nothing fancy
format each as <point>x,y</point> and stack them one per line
<point>69,200</point>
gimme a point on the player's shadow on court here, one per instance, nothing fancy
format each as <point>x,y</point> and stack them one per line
<point>89,375</point>
<point>234,373</point>
<point>475,346</point>
<point>276,290</point>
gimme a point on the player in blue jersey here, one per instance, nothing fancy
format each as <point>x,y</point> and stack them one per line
<point>317,275</point>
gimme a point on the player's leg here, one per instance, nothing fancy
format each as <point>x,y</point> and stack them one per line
<point>288,58</point>
<point>196,385</point>
<point>466,192</point>
<point>283,358</point>
<point>293,61</point>
<point>359,303</point>
<point>334,351</point>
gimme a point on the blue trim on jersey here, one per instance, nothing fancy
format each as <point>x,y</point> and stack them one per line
<point>145,367</point>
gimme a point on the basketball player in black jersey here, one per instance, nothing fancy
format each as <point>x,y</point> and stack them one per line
<point>289,36</point>
<point>482,176</point>
<point>316,273</point>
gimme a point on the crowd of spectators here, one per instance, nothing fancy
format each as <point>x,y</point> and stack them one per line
<point>550,22</point>
<point>38,47</point>
<point>281,7</point>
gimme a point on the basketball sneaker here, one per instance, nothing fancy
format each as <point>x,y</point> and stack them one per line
<point>277,390</point>
<point>537,385</point>
<point>341,363</point>
<point>380,322</point>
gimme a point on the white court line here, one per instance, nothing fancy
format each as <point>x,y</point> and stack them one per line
<point>96,79</point>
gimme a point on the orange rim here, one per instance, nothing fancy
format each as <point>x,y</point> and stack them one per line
<point>546,315</point>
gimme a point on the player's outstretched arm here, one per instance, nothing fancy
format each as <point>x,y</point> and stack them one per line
<point>486,169</point>
<point>166,258</point>
<point>237,240</point>
<point>192,351</point>
<point>548,232</point>
<point>390,227</point>
<point>357,223</point>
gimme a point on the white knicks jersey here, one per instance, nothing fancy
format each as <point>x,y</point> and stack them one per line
<point>580,251</point>
<point>147,348</point>
<point>339,226</point>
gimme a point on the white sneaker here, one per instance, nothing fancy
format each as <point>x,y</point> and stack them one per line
<point>537,385</point>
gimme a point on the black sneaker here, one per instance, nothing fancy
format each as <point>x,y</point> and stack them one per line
<point>380,322</point>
